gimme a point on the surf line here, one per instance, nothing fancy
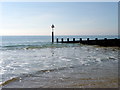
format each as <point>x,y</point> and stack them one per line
<point>9,81</point>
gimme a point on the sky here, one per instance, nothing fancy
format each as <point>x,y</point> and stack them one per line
<point>69,18</point>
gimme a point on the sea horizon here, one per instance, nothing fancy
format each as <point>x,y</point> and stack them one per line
<point>60,35</point>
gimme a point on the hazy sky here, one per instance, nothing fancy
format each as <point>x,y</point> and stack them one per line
<point>70,18</point>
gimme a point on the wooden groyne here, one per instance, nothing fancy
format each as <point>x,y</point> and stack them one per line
<point>96,41</point>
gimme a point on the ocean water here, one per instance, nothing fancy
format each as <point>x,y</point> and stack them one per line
<point>33,61</point>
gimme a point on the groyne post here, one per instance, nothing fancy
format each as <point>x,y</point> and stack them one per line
<point>67,39</point>
<point>96,39</point>
<point>105,39</point>
<point>87,40</point>
<point>80,39</point>
<point>57,40</point>
<point>73,39</point>
<point>115,38</point>
<point>62,40</point>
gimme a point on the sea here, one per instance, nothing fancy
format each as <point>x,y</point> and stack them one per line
<point>35,62</point>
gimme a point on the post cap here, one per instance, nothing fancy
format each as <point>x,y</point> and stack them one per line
<point>52,26</point>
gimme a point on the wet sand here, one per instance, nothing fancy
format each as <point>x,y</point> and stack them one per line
<point>95,76</point>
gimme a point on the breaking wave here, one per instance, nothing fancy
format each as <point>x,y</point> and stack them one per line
<point>35,74</point>
<point>40,46</point>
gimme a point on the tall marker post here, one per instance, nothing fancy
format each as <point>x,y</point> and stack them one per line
<point>52,33</point>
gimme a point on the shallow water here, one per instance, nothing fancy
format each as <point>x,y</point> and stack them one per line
<point>42,64</point>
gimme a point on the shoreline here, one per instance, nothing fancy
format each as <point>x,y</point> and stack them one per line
<point>75,77</point>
